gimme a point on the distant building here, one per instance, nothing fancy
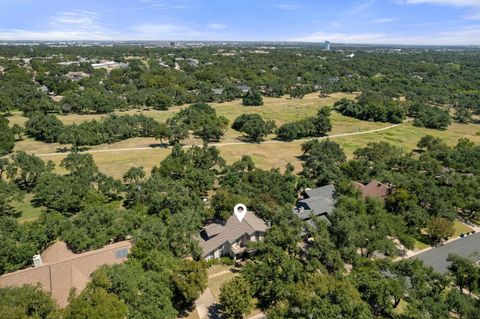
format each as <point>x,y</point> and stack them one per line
<point>374,189</point>
<point>68,63</point>
<point>327,45</point>
<point>76,76</point>
<point>244,88</point>
<point>230,238</point>
<point>218,91</point>
<point>58,270</point>
<point>109,65</point>
<point>318,202</point>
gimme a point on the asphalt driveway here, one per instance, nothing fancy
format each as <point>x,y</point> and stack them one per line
<point>468,247</point>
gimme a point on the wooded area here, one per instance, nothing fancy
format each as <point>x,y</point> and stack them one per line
<point>349,267</point>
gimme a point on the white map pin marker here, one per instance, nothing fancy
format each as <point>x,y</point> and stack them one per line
<point>240,211</point>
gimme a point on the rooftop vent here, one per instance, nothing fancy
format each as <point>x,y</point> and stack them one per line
<point>37,261</point>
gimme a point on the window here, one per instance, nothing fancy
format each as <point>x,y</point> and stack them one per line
<point>122,253</point>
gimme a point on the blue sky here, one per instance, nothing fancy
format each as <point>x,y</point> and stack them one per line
<point>353,21</point>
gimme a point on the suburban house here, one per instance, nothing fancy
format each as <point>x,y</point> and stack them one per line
<point>318,202</point>
<point>374,189</point>
<point>58,270</point>
<point>76,76</point>
<point>230,238</point>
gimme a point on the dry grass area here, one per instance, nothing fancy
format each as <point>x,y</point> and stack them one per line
<point>266,156</point>
<point>407,136</point>
<point>280,110</point>
<point>218,276</point>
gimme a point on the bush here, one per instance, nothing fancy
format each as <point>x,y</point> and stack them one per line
<point>432,117</point>
<point>253,98</point>
<point>202,119</point>
<point>254,126</point>
<point>43,127</point>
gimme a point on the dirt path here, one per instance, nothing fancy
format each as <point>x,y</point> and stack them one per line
<point>225,144</point>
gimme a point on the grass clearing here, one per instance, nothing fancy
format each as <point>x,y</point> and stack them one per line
<point>266,156</point>
<point>281,110</point>
<point>420,244</point>
<point>276,155</point>
<point>29,213</point>
<point>460,228</point>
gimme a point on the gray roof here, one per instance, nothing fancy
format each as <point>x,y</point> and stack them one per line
<point>230,231</point>
<point>468,247</point>
<point>320,201</point>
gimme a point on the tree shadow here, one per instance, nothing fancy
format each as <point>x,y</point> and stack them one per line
<point>158,145</point>
<point>214,311</point>
<point>71,149</point>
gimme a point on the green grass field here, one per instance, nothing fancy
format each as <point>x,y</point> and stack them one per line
<point>266,156</point>
<point>29,213</point>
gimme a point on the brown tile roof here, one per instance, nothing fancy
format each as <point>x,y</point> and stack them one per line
<point>218,234</point>
<point>374,189</point>
<point>62,270</point>
<point>56,252</point>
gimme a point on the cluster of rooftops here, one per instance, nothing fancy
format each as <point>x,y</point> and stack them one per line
<point>58,270</point>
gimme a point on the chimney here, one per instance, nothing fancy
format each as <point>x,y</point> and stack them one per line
<point>37,261</point>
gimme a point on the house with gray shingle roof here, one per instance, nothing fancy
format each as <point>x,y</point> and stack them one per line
<point>318,202</point>
<point>231,237</point>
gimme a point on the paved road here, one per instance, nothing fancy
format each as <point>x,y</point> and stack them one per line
<point>468,246</point>
<point>224,144</point>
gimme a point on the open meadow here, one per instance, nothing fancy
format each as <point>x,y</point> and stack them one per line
<point>115,159</point>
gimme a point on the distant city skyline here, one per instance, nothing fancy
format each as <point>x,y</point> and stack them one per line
<point>415,22</point>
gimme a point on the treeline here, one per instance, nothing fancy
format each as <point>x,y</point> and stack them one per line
<point>310,127</point>
<point>372,107</point>
<point>168,77</point>
<point>375,107</point>
<point>200,118</point>
<point>48,128</point>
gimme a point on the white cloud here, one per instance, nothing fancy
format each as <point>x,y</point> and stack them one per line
<point>359,7</point>
<point>460,36</point>
<point>164,31</point>
<point>473,17</point>
<point>20,34</point>
<point>162,4</point>
<point>289,7</point>
<point>474,4</point>
<point>216,26</point>
<point>342,37</point>
<point>66,25</point>
<point>383,20</point>
<point>76,18</point>
<point>457,3</point>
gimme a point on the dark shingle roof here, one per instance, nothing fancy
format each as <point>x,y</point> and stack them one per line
<point>218,234</point>
<point>320,201</point>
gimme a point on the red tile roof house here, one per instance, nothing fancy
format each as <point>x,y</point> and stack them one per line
<point>231,237</point>
<point>374,189</point>
<point>58,269</point>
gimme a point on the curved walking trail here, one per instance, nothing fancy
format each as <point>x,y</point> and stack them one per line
<point>110,150</point>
